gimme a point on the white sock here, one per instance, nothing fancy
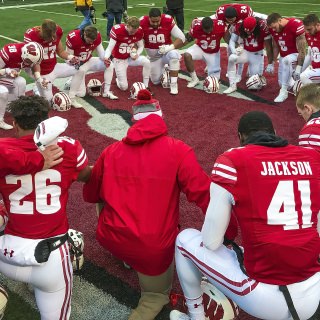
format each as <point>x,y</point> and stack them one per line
<point>173,79</point>
<point>195,308</point>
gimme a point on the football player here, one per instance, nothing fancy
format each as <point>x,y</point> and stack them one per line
<point>49,35</point>
<point>207,33</point>
<point>158,31</point>
<point>273,189</point>
<point>13,58</point>
<point>81,43</point>
<point>255,36</point>
<point>312,27</point>
<point>289,40</point>
<point>126,46</point>
<point>34,248</point>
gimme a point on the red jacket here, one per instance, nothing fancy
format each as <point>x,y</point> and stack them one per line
<point>139,179</point>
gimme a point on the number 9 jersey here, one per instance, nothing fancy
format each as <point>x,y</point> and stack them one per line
<point>36,203</point>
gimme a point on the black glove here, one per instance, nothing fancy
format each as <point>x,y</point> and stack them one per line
<point>92,9</point>
<point>104,14</point>
<point>76,8</point>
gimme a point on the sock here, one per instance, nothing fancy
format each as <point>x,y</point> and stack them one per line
<point>195,308</point>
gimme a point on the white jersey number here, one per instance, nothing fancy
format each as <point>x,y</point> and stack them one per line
<point>157,38</point>
<point>205,45</point>
<point>47,196</point>
<point>282,45</point>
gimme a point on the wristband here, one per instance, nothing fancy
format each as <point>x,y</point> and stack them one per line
<point>37,75</point>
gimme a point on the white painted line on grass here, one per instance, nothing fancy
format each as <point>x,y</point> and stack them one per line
<point>273,2</point>
<point>7,38</point>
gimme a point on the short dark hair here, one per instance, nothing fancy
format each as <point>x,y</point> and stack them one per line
<point>273,17</point>
<point>154,12</point>
<point>29,111</point>
<point>91,32</point>
<point>230,12</point>
<point>207,23</point>
<point>310,19</point>
<point>254,121</point>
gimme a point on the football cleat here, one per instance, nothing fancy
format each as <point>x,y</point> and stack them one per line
<point>5,126</point>
<point>110,95</point>
<point>282,96</point>
<point>61,102</point>
<point>231,89</point>
<point>76,104</point>
<point>76,246</point>
<point>165,78</point>
<point>211,84</point>
<point>193,82</point>
<point>94,88</point>
<point>135,88</point>
<point>256,82</point>
<point>177,315</point>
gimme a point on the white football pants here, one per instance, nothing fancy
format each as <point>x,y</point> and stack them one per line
<point>221,268</point>
<point>310,76</point>
<point>16,86</point>
<point>287,65</point>
<point>4,93</point>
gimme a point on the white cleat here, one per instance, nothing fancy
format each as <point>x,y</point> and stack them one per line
<point>193,83</point>
<point>174,88</point>
<point>282,96</point>
<point>67,85</point>
<point>231,89</point>
<point>177,315</point>
<point>5,126</point>
<point>76,104</point>
<point>110,95</point>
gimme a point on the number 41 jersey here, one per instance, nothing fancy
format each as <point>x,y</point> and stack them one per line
<point>276,193</point>
<point>36,203</point>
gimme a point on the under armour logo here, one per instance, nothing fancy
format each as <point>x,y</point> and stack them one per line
<point>5,252</point>
<point>197,305</point>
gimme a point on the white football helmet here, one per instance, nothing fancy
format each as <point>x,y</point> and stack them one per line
<point>256,82</point>
<point>135,88</point>
<point>61,102</point>
<point>3,301</point>
<point>216,304</point>
<point>165,78</point>
<point>211,84</point>
<point>296,87</point>
<point>94,88</point>
<point>32,53</point>
<point>76,246</point>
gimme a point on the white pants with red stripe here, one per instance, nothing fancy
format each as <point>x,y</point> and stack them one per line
<point>287,65</point>
<point>52,282</point>
<point>222,269</point>
<point>310,76</point>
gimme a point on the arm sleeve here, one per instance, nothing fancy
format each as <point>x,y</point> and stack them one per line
<point>100,51</point>
<point>217,218</point>
<point>140,45</point>
<point>232,43</point>
<point>109,49</point>
<point>177,33</point>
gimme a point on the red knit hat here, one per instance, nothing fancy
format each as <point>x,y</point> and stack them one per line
<point>145,105</point>
<point>249,24</point>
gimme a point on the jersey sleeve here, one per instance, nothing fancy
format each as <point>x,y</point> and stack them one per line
<point>113,33</point>
<point>82,158</point>
<point>28,35</point>
<point>298,27</point>
<point>310,135</point>
<point>4,54</point>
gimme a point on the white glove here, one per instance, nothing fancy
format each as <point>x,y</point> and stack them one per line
<point>165,48</point>
<point>239,50</point>
<point>12,73</point>
<point>296,73</point>
<point>43,82</point>
<point>269,68</point>
<point>48,131</point>
<point>73,60</point>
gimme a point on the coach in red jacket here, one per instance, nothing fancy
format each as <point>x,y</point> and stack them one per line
<point>139,180</point>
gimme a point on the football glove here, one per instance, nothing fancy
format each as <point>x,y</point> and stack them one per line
<point>296,73</point>
<point>269,68</point>
<point>165,48</point>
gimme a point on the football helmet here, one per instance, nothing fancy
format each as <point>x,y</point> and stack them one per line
<point>94,88</point>
<point>76,246</point>
<point>3,301</point>
<point>165,78</point>
<point>296,87</point>
<point>211,84</point>
<point>135,88</point>
<point>61,102</point>
<point>32,53</point>
<point>256,82</point>
<point>216,304</point>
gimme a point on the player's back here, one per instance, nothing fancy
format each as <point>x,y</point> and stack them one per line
<point>36,203</point>
<point>11,55</point>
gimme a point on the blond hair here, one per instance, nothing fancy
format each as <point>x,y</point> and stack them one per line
<point>133,22</point>
<point>310,94</point>
<point>48,29</point>
<point>91,32</point>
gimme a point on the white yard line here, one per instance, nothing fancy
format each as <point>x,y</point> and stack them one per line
<point>273,2</point>
<point>7,38</point>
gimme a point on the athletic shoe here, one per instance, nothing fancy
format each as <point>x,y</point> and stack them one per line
<point>283,95</point>
<point>177,315</point>
<point>231,89</point>
<point>5,126</point>
<point>193,82</point>
<point>174,88</point>
<point>76,104</point>
<point>110,95</point>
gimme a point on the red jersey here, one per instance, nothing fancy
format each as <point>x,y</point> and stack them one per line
<point>286,39</point>
<point>11,55</point>
<point>209,43</point>
<point>49,57</point>
<point>124,41</point>
<point>276,194</point>
<point>153,38</point>
<point>251,43</point>
<point>243,11</point>
<point>314,44</point>
<point>80,48</point>
<point>36,203</point>
<point>310,134</point>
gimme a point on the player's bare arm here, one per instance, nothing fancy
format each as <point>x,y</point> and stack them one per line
<point>275,49</point>
<point>269,50</point>
<point>84,174</point>
<point>301,43</point>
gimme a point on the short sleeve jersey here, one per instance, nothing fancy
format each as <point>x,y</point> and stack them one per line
<point>251,43</point>
<point>80,48</point>
<point>124,41</point>
<point>36,203</point>
<point>309,135</point>
<point>209,43</point>
<point>50,57</point>
<point>153,38</point>
<point>286,39</point>
<point>11,55</point>
<point>243,11</point>
<point>276,194</point>
<point>314,44</point>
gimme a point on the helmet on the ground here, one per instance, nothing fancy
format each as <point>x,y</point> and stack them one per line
<point>135,88</point>
<point>165,78</point>
<point>216,304</point>
<point>3,301</point>
<point>94,88</point>
<point>296,87</point>
<point>76,246</point>
<point>61,102</point>
<point>32,53</point>
<point>211,84</point>
<point>256,82</point>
